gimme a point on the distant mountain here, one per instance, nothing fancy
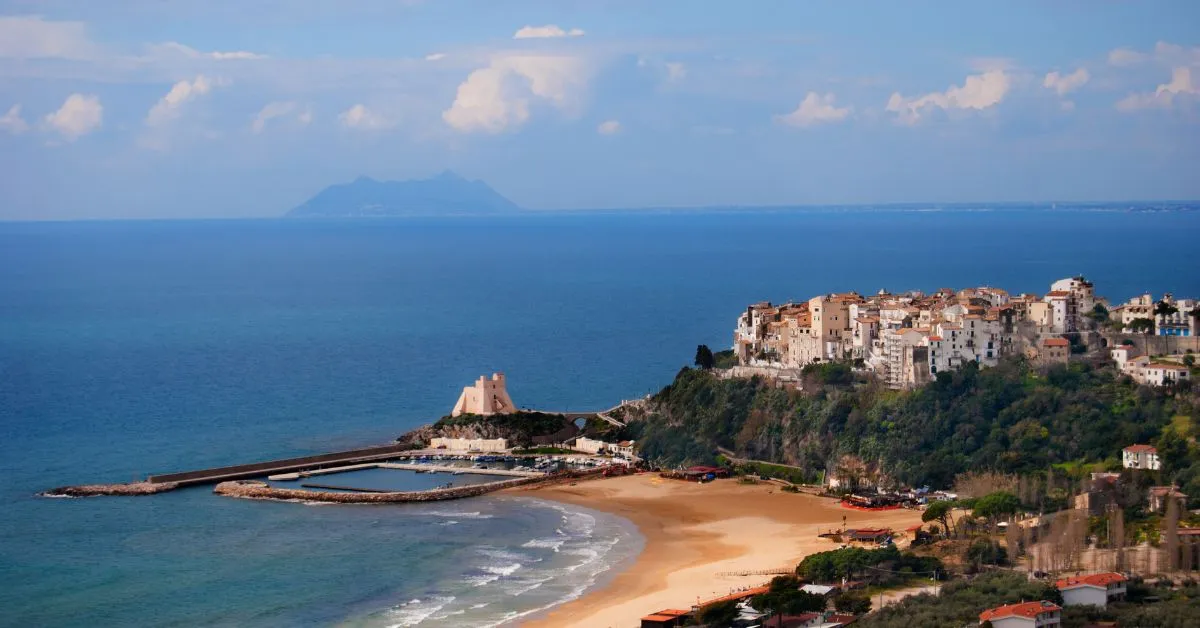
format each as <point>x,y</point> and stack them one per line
<point>447,194</point>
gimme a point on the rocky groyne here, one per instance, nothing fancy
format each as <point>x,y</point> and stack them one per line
<point>253,489</point>
<point>95,490</point>
<point>256,489</point>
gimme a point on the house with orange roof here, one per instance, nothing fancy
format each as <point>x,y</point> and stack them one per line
<point>1096,589</point>
<point>1023,615</point>
<point>1054,351</point>
<point>1140,457</point>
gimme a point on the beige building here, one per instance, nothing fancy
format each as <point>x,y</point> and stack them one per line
<point>1054,351</point>
<point>469,444</point>
<point>486,397</point>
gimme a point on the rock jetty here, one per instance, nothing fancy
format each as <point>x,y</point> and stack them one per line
<point>255,489</point>
<point>94,490</point>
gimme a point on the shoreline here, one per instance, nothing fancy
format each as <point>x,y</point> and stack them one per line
<point>696,537</point>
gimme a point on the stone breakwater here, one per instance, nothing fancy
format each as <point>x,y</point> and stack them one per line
<point>254,489</point>
<point>93,490</point>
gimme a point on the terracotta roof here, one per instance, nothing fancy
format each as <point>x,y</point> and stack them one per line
<point>1138,449</point>
<point>1025,609</point>
<point>666,615</point>
<point>935,339</point>
<point>1058,293</point>
<point>1101,580</point>
<point>740,595</point>
<point>1165,365</point>
<point>788,621</point>
<point>1056,342</point>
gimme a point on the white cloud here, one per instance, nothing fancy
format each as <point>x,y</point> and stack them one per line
<point>12,121</point>
<point>979,91</point>
<point>498,96</point>
<point>281,109</point>
<point>1163,53</point>
<point>1164,96</point>
<point>363,119</point>
<point>436,56</point>
<point>31,37</point>
<point>192,53</point>
<point>676,71</point>
<point>168,107</point>
<point>1064,84</point>
<point>1126,57</point>
<point>815,109</point>
<point>1174,54</point>
<point>546,32</point>
<point>79,115</point>
<point>609,127</point>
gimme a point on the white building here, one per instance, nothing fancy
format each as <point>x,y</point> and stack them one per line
<point>1140,457</point>
<point>1061,312</point>
<point>1143,371</point>
<point>469,444</point>
<point>907,352</point>
<point>1181,322</point>
<point>591,445</point>
<point>486,397</point>
<point>1082,295</point>
<point>1096,589</point>
<point>1163,373</point>
<point>1023,615</point>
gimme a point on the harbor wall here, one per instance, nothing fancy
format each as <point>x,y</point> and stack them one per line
<point>287,464</point>
<point>254,489</point>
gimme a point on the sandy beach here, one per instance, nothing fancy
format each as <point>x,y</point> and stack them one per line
<point>695,535</point>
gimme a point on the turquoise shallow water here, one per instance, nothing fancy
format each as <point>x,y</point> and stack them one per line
<point>129,348</point>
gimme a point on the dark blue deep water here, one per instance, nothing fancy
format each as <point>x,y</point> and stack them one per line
<point>129,348</point>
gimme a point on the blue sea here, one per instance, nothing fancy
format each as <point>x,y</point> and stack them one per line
<point>130,348</point>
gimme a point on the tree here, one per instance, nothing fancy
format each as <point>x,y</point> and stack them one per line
<point>986,551</point>
<point>1099,313</point>
<point>704,357</point>
<point>994,506</point>
<point>785,597</point>
<point>1172,451</point>
<point>1162,308</point>
<point>941,511</point>
<point>1142,326</point>
<point>1189,360</point>
<point>718,615</point>
<point>853,603</point>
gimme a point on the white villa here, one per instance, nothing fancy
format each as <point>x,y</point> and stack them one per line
<point>1096,589</point>
<point>1023,615</point>
<point>1140,457</point>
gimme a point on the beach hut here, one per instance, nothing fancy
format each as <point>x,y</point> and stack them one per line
<point>668,618</point>
<point>870,535</point>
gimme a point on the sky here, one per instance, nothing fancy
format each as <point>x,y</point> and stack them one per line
<point>245,108</point>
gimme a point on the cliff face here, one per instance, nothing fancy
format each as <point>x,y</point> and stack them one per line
<point>520,429</point>
<point>1017,417</point>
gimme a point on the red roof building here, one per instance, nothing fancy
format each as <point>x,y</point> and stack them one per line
<point>1031,614</point>
<point>669,618</point>
<point>1096,589</point>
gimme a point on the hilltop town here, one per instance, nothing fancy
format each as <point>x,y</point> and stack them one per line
<point>907,339</point>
